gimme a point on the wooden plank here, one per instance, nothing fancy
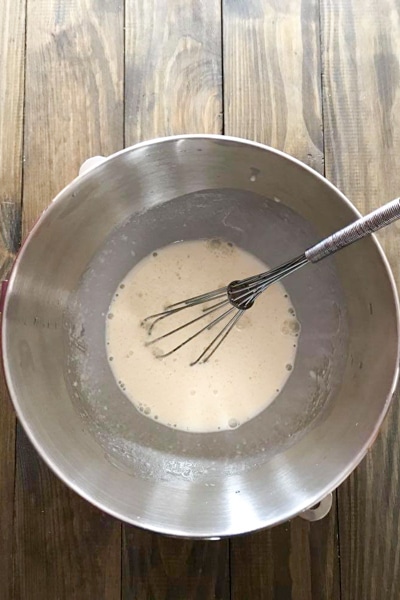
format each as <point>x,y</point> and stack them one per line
<point>65,548</point>
<point>12,44</point>
<point>7,479</point>
<point>74,93</point>
<point>173,85</point>
<point>297,560</point>
<point>173,68</point>
<point>272,75</point>
<point>361,75</point>
<point>162,568</point>
<point>272,95</point>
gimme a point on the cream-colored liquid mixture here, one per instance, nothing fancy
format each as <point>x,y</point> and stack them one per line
<point>244,375</point>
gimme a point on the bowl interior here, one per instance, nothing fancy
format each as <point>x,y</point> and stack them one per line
<point>274,233</point>
<point>275,465</point>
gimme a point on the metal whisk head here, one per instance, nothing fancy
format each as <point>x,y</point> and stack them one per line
<point>239,296</point>
<point>227,306</point>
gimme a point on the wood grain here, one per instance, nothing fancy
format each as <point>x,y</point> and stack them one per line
<point>12,44</point>
<point>361,75</point>
<point>272,82</point>
<point>7,481</point>
<point>74,93</point>
<point>162,568</point>
<point>173,68</point>
<point>297,560</point>
<point>173,85</point>
<point>272,75</point>
<point>65,548</point>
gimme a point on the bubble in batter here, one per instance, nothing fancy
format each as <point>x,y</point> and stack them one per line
<point>247,372</point>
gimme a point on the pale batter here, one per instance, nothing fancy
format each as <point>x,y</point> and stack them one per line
<point>244,375</point>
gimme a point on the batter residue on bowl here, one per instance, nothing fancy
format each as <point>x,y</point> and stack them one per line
<point>245,374</point>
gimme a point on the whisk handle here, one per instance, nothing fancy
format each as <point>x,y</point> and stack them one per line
<point>375,220</point>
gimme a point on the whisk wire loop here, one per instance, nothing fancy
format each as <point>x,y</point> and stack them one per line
<point>239,295</point>
<point>242,294</point>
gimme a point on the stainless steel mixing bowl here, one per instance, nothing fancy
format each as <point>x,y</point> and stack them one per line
<point>199,485</point>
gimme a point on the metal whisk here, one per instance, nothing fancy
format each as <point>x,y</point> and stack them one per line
<point>230,302</point>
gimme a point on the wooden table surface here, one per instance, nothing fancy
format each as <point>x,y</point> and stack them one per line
<point>319,79</point>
